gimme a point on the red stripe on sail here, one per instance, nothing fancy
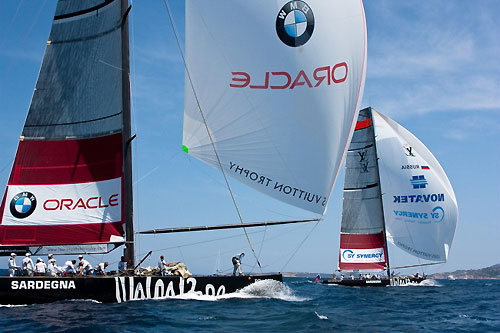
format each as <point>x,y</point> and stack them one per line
<point>363,124</point>
<point>362,241</point>
<point>46,162</point>
<point>59,234</point>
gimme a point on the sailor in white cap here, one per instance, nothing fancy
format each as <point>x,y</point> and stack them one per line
<point>85,267</point>
<point>52,268</point>
<point>13,268</point>
<point>40,267</point>
<point>28,265</point>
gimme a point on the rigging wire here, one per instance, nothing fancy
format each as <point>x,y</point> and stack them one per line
<point>7,31</point>
<point>300,245</point>
<point>135,187</point>
<point>208,130</point>
<point>282,234</point>
<point>261,246</point>
<point>261,243</point>
<point>23,41</point>
<point>200,242</point>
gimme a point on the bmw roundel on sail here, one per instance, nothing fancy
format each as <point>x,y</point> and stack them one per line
<point>274,86</point>
<point>65,187</point>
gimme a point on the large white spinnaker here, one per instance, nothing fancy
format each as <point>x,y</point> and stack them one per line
<point>279,84</point>
<point>420,207</point>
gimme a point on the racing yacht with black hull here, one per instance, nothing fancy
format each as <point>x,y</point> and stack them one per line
<point>70,188</point>
<point>394,190</point>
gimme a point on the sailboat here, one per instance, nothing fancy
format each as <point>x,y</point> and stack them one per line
<point>253,116</point>
<point>394,191</point>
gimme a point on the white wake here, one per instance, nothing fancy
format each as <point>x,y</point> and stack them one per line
<point>425,283</point>
<point>270,289</point>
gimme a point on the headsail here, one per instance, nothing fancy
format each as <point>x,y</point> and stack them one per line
<point>420,206</point>
<point>362,239</point>
<point>66,182</point>
<point>279,83</point>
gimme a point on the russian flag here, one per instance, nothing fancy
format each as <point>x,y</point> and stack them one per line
<point>425,167</point>
<point>317,278</point>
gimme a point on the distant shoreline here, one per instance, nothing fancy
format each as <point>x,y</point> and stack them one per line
<point>487,273</point>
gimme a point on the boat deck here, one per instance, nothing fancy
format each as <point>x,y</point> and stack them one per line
<point>399,281</point>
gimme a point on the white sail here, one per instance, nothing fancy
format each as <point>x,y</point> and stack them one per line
<point>279,84</point>
<point>420,207</point>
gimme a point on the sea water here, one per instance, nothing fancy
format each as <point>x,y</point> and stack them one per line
<point>297,305</point>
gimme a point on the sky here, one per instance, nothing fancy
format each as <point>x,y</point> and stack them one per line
<point>432,66</point>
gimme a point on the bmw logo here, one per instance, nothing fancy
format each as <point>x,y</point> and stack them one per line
<point>295,23</point>
<point>23,205</point>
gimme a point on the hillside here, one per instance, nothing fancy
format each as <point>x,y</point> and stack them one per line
<point>492,272</point>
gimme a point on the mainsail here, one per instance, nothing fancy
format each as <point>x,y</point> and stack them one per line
<point>67,181</point>
<point>420,206</point>
<point>362,238</point>
<point>274,86</point>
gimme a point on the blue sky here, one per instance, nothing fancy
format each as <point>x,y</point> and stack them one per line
<point>432,66</point>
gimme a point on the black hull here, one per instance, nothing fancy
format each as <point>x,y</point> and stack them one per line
<point>30,290</point>
<point>374,283</point>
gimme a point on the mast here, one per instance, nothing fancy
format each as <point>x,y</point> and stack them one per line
<point>381,201</point>
<point>127,142</point>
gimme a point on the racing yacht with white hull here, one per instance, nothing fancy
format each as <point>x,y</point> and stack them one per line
<point>70,188</point>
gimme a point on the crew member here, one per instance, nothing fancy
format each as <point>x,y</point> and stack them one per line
<point>40,267</point>
<point>69,267</point>
<point>52,268</point>
<point>100,268</point>
<point>122,265</point>
<point>13,268</point>
<point>237,263</point>
<point>28,265</point>
<point>163,266</point>
<point>85,267</point>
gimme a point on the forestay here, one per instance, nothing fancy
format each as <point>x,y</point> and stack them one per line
<point>420,206</point>
<point>278,84</point>
<point>66,182</point>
